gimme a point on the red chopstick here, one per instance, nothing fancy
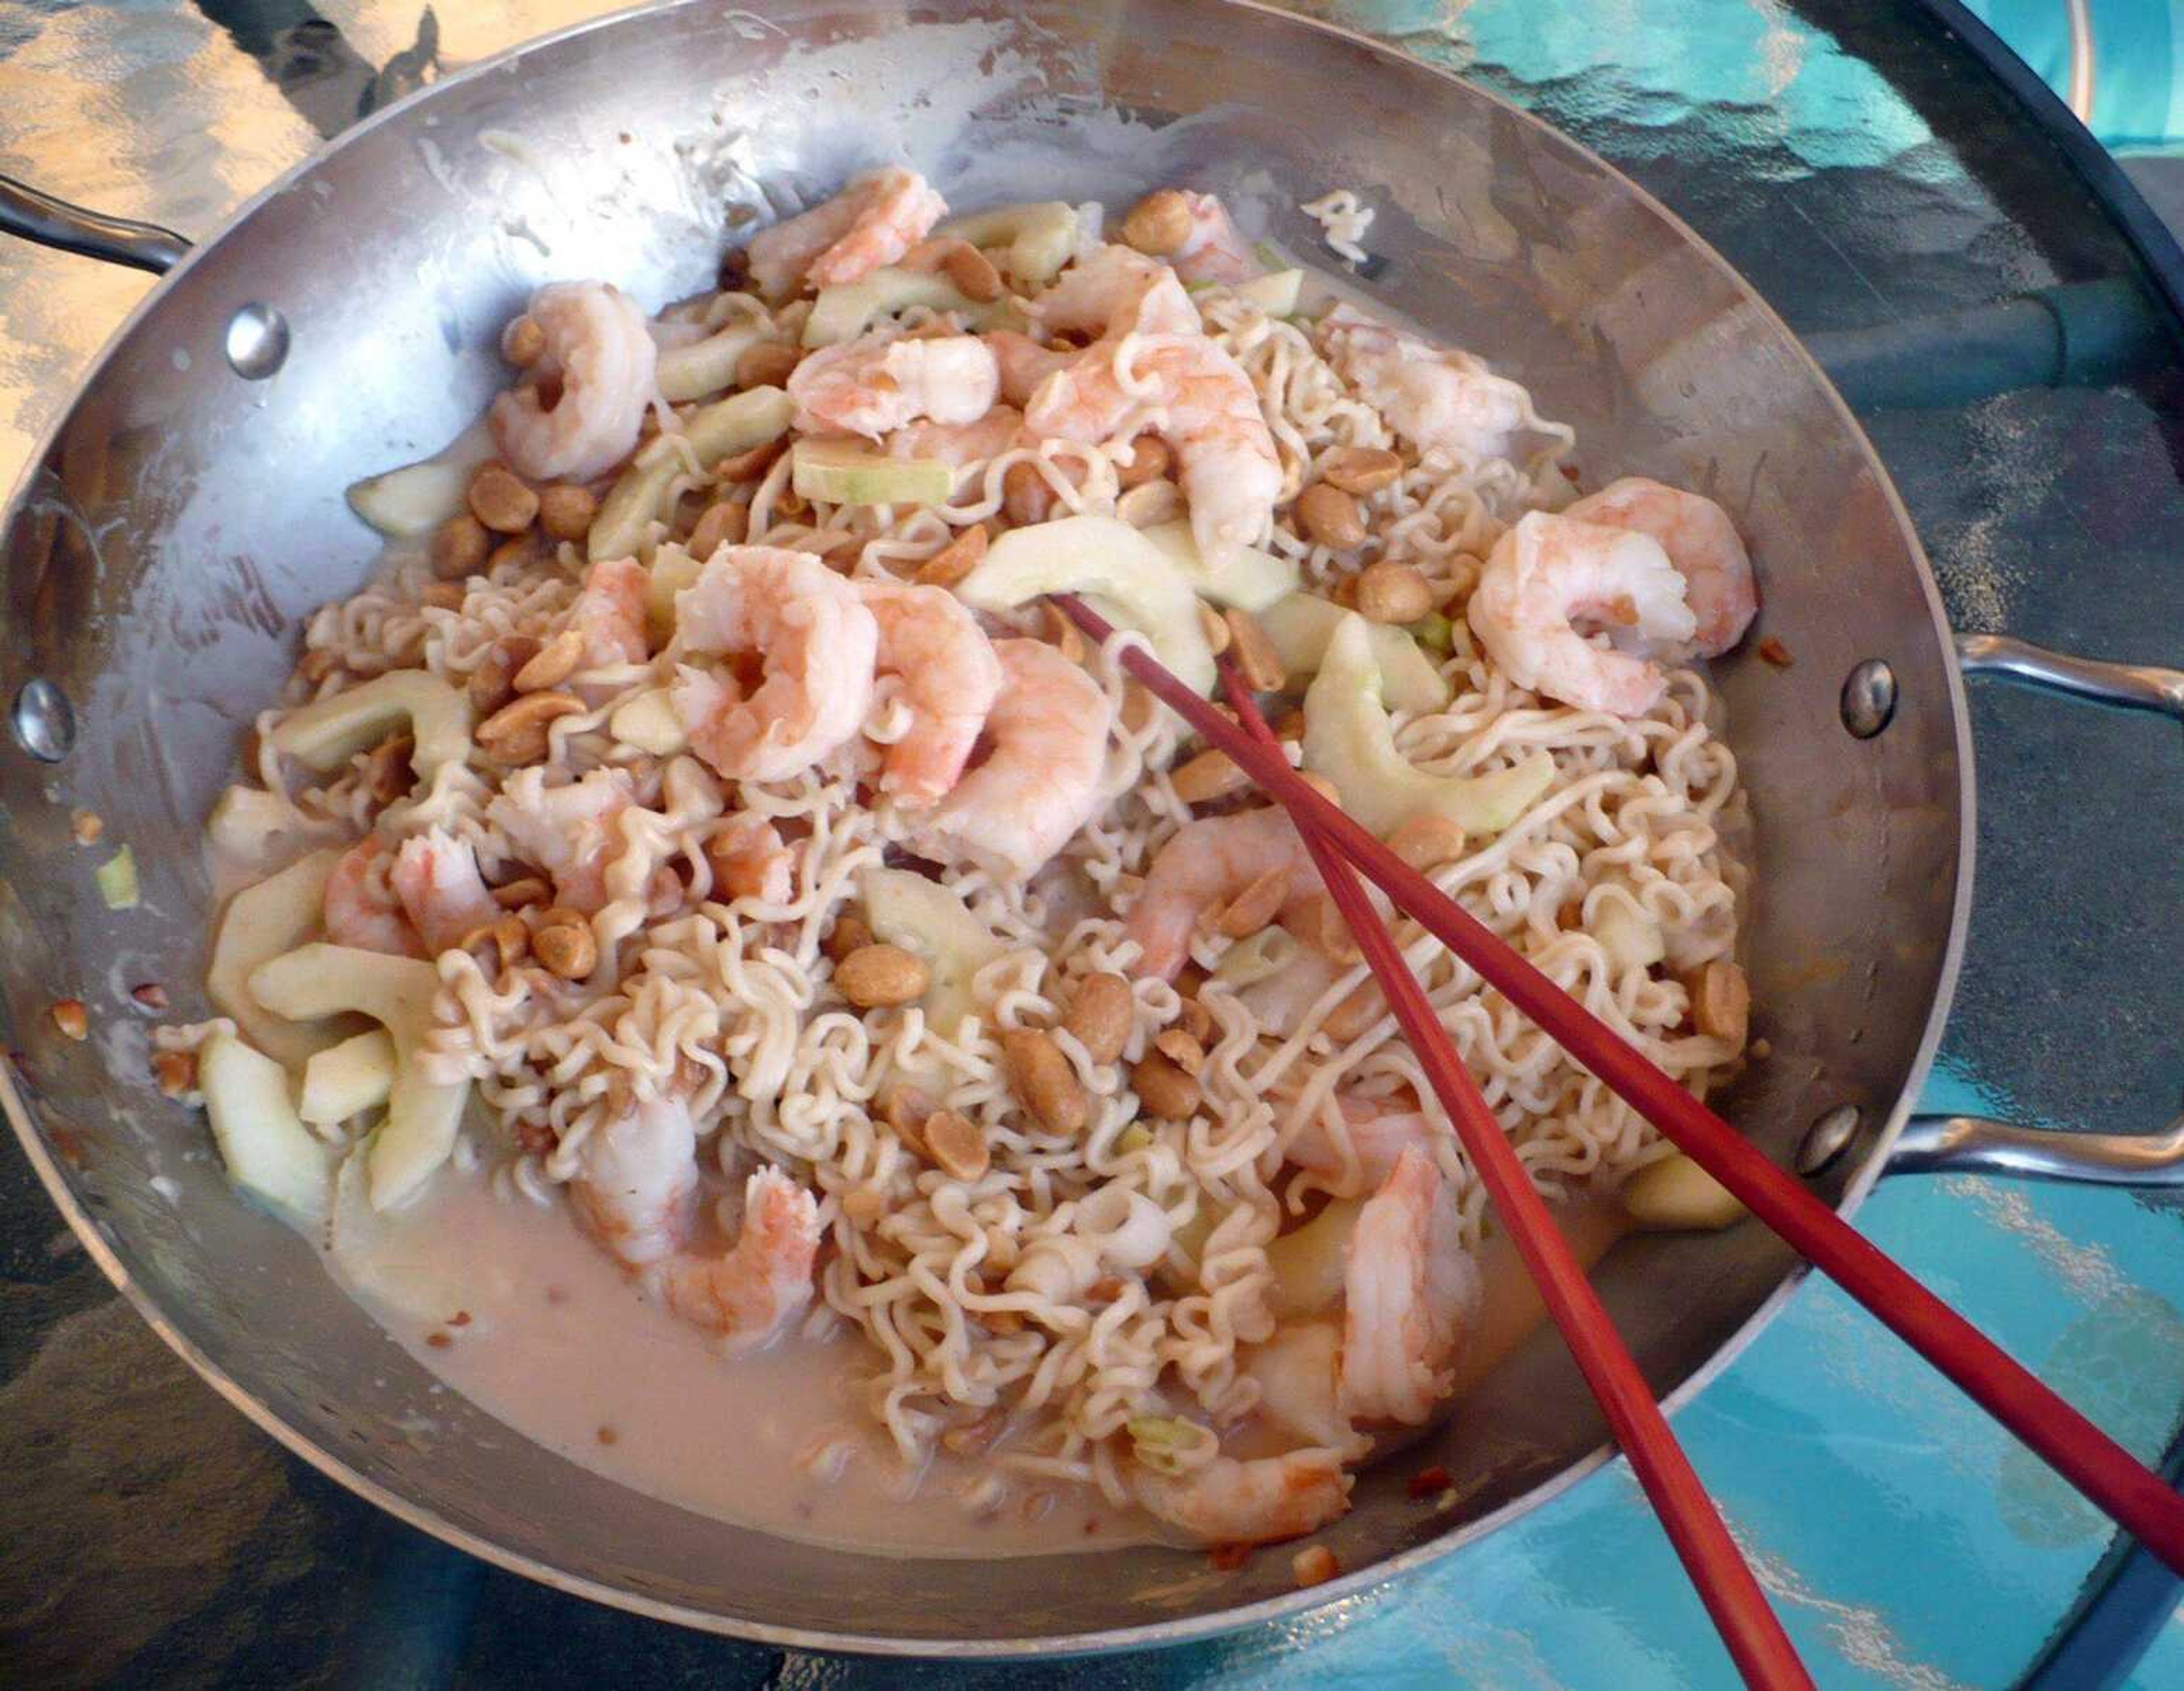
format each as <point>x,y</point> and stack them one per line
<point>2108,1475</point>
<point>1748,1626</point>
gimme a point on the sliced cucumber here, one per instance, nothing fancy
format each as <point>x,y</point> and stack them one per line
<point>650,722</point>
<point>842,313</point>
<point>1310,1263</point>
<point>1033,240</point>
<point>417,498</point>
<point>1676,1196</point>
<point>1107,557</point>
<point>846,472</point>
<point>325,735</point>
<point>721,430</point>
<point>263,922</point>
<point>1245,576</point>
<point>672,570</point>
<point>265,1145</point>
<point>707,366</point>
<point>374,1254</point>
<point>928,921</point>
<point>1631,938</point>
<point>116,879</point>
<point>245,821</point>
<point>1274,294</point>
<point>1300,626</point>
<point>1348,738</point>
<point>354,1076</point>
<point>1299,1373</point>
<point>396,992</point>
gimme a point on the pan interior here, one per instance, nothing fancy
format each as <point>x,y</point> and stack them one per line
<point>183,518</point>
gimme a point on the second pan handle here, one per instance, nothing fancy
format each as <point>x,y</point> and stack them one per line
<point>35,216</point>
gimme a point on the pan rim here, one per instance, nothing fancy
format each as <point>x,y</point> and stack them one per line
<point>1347,1588</point>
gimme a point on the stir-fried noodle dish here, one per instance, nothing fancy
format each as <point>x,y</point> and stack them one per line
<point>705,832</point>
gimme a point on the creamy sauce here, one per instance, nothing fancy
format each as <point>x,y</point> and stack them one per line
<point>511,1306</point>
<point>563,1347</point>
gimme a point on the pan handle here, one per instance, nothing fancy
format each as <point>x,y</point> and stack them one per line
<point>1965,1144</point>
<point>53,222</point>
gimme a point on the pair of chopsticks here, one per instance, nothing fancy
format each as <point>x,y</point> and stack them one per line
<point>2106,1473</point>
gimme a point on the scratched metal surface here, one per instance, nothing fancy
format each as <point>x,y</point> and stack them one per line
<point>1860,174</point>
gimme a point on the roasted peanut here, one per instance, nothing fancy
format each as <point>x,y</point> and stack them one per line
<point>499,498</point>
<point>1215,626</point>
<point>1059,632</point>
<point>517,893</point>
<point>954,1141</point>
<point>387,775</point>
<point>518,551</point>
<point>1330,517</point>
<point>848,934</point>
<point>151,995</point>
<point>1040,1076</point>
<point>971,272</point>
<point>459,546</point>
<point>565,511</point>
<point>1254,907</point>
<point>864,1205</point>
<point>1393,593</point>
<point>749,466</point>
<point>498,945</point>
<point>725,523</point>
<point>1158,223</point>
<point>1426,841</point>
<point>71,1018</point>
<point>555,662</point>
<point>1721,1003</point>
<point>1210,775</point>
<point>1255,653</point>
<point>87,827</point>
<point>767,365</point>
<point>1314,1565</point>
<point>516,732</point>
<point>568,947</point>
<point>1151,460</point>
<point>1181,1049</point>
<point>1151,503</point>
<point>523,340</point>
<point>1026,499</point>
<point>441,595</point>
<point>880,977</point>
<point>956,560</point>
<point>175,1072</point>
<point>1361,469</point>
<point>1100,1015</point>
<point>1164,1090</point>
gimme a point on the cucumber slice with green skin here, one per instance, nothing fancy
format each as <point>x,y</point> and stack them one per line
<point>1675,1195</point>
<point>1245,576</point>
<point>396,992</point>
<point>417,498</point>
<point>846,472</point>
<point>672,570</point>
<point>1310,1264</point>
<point>933,923</point>
<point>1034,240</point>
<point>373,1253</point>
<point>1348,738</point>
<point>707,366</point>
<point>325,734</point>
<point>712,433</point>
<point>353,1076</point>
<point>265,1145</point>
<point>261,922</point>
<point>650,722</point>
<point>1275,294</point>
<point>116,879</point>
<point>1300,626</point>
<point>842,313</point>
<point>1105,557</point>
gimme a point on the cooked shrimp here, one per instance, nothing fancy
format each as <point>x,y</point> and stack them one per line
<point>1408,1288</point>
<point>1434,396</point>
<point>610,613</point>
<point>950,678</point>
<point>874,221</point>
<point>750,860</point>
<point>1204,865</point>
<point>1262,1501</point>
<point>1214,249</point>
<point>958,444</point>
<point>1022,363</point>
<point>1197,399</point>
<point>601,355</point>
<point>808,632</point>
<point>1380,1132</point>
<point>361,908</point>
<point>1549,575</point>
<point>436,876</point>
<point>873,384</point>
<point>1048,730</point>
<point>633,1190</point>
<point>751,1290</point>
<point>1701,541</point>
<point>1114,292</point>
<point>573,831</point>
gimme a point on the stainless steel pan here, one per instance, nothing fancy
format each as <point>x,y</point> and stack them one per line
<point>187,511</point>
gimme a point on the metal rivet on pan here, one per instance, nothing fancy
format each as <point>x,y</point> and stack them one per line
<point>256,342</point>
<point>1827,1139</point>
<point>44,721</point>
<point>1869,698</point>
